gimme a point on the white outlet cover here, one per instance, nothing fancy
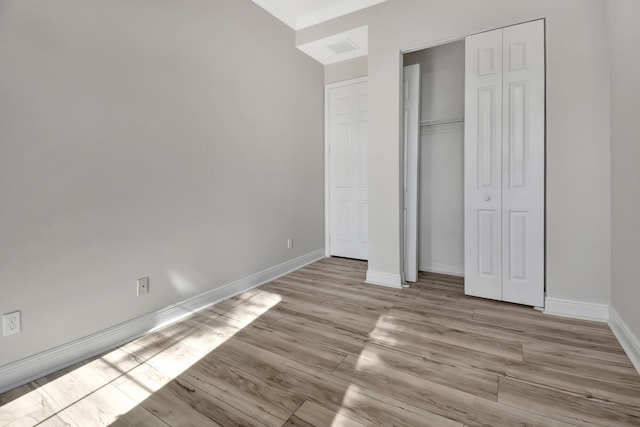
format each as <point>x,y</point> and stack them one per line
<point>143,286</point>
<point>11,323</point>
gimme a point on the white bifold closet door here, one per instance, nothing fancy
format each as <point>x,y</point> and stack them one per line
<point>411,166</point>
<point>504,164</point>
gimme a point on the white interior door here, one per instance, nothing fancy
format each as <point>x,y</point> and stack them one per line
<point>348,124</point>
<point>523,164</point>
<point>483,165</point>
<point>504,164</point>
<point>411,164</point>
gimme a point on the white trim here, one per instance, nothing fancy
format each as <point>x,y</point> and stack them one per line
<point>333,10</point>
<point>384,279</point>
<point>343,83</point>
<point>33,367</point>
<point>442,267</point>
<point>576,309</point>
<point>276,9</point>
<point>315,15</point>
<point>327,210</point>
<point>629,342</point>
<point>429,45</point>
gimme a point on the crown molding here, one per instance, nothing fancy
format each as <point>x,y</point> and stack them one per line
<point>332,10</point>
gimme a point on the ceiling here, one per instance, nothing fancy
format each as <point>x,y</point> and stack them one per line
<point>300,14</point>
<point>339,47</point>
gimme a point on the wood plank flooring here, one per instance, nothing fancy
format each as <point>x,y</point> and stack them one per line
<point>318,347</point>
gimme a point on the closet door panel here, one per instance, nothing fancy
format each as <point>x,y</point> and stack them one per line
<point>483,165</point>
<point>523,164</point>
<point>411,169</point>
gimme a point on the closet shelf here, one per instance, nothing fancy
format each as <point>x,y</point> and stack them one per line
<point>441,122</point>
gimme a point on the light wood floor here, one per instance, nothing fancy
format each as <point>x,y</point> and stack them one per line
<point>318,347</point>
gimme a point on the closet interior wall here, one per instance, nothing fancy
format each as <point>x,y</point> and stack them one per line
<point>441,186</point>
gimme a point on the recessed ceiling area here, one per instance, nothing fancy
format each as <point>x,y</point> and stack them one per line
<point>304,13</point>
<point>339,47</point>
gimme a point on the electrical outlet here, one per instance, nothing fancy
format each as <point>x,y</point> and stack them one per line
<point>143,286</point>
<point>11,323</point>
<point>290,243</point>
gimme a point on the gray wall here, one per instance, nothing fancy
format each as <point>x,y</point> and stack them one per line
<point>181,140</point>
<point>578,237</point>
<point>442,80</point>
<point>624,35</point>
<point>345,70</point>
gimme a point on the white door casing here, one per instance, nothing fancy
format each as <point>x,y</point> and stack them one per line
<point>504,164</point>
<point>348,121</point>
<point>483,165</point>
<point>411,165</point>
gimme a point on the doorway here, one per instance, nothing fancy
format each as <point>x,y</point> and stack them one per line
<point>440,225</point>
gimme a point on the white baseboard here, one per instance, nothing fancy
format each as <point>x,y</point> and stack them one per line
<point>33,367</point>
<point>629,342</point>
<point>384,279</point>
<point>444,268</point>
<point>576,309</point>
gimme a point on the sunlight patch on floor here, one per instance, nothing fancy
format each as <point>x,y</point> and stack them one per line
<point>116,383</point>
<point>368,358</point>
<point>382,333</point>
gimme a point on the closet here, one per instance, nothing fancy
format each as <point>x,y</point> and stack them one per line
<point>441,158</point>
<point>480,169</point>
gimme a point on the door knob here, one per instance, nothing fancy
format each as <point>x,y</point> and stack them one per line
<point>487,198</point>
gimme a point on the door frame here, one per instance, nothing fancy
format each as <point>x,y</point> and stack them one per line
<point>327,166</point>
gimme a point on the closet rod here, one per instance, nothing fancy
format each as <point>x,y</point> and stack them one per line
<point>441,122</point>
